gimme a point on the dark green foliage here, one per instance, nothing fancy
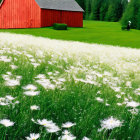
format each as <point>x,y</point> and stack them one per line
<point>81,3</point>
<point>115,11</point>
<point>103,9</point>
<point>109,10</point>
<point>88,9</point>
<point>111,14</point>
<point>138,20</point>
<point>58,26</point>
<point>95,10</point>
<point>124,27</point>
<point>132,14</point>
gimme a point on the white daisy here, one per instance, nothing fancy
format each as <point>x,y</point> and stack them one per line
<point>99,99</point>
<point>128,84</point>
<point>9,97</point>
<point>68,125</point>
<point>49,125</point>
<point>132,104</point>
<point>13,67</point>
<point>12,82</point>
<point>110,123</point>
<point>67,136</point>
<point>6,122</point>
<point>53,129</point>
<point>85,138</point>
<point>33,136</point>
<point>31,93</point>
<point>34,107</point>
<point>30,87</point>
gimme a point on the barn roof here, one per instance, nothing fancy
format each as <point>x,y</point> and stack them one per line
<point>66,5</point>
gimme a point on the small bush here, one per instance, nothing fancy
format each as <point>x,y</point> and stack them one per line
<point>58,26</point>
<point>124,27</point>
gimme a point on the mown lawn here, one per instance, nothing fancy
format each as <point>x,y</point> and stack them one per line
<point>67,90</point>
<point>93,32</point>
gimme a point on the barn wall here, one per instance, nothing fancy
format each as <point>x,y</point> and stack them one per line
<point>48,17</point>
<point>72,19</point>
<point>20,14</point>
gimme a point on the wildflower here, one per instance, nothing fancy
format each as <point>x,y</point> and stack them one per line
<point>9,97</point>
<point>110,123</point>
<point>35,64</point>
<point>49,125</point>
<point>85,138</point>
<point>118,96</point>
<point>117,89</point>
<point>122,93</point>
<point>30,87</point>
<point>6,122</point>
<point>107,104</point>
<point>68,125</point>
<point>31,93</point>
<point>134,111</point>
<point>132,104</point>
<point>119,104</point>
<point>33,136</point>
<point>12,82</point>
<point>53,129</point>
<point>5,59</point>
<point>99,99</point>
<point>67,136</point>
<point>128,84</point>
<point>34,107</point>
<point>13,67</point>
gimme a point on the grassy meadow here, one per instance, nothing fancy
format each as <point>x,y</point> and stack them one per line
<point>64,90</point>
<point>109,33</point>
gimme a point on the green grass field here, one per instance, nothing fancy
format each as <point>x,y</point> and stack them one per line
<point>94,88</point>
<point>93,32</point>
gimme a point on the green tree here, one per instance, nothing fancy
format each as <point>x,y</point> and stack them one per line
<point>132,14</point>
<point>87,9</point>
<point>103,9</point>
<point>138,20</point>
<point>95,9</point>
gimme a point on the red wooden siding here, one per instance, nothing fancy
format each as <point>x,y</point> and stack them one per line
<point>48,17</point>
<point>72,19</point>
<point>20,14</point>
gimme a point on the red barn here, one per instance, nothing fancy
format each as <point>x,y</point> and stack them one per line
<point>39,13</point>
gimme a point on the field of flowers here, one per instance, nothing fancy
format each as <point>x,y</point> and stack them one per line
<point>61,90</point>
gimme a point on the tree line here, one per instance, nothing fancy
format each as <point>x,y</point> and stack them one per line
<point>112,10</point>
<point>104,10</point>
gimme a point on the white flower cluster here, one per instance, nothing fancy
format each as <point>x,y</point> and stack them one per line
<point>11,80</point>
<point>5,59</point>
<point>30,90</point>
<point>7,100</point>
<point>50,126</point>
<point>46,83</point>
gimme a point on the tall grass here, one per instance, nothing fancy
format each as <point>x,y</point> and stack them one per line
<point>83,84</point>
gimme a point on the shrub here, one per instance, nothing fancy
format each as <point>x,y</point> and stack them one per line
<point>58,26</point>
<point>124,27</point>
